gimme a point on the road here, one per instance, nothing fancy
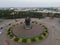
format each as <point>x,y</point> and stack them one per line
<point>52,39</point>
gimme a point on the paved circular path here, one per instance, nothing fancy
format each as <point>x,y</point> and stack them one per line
<point>36,30</point>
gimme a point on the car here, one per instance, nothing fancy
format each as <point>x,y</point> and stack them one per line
<point>0,31</point>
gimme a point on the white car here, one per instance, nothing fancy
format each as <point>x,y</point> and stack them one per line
<point>0,31</point>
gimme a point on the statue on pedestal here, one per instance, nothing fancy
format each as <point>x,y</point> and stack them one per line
<point>27,23</point>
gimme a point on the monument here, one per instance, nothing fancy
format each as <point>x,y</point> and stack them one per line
<point>27,23</point>
<point>27,32</point>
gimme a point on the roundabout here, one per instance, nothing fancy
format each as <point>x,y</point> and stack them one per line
<point>52,37</point>
<point>21,33</point>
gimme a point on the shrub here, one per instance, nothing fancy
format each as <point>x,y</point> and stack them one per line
<point>24,40</point>
<point>40,37</point>
<point>45,27</point>
<point>46,31</point>
<point>11,36</point>
<point>44,34</point>
<point>8,33</point>
<point>9,30</point>
<point>33,39</point>
<point>16,39</point>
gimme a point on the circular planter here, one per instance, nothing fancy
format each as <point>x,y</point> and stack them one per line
<point>26,40</point>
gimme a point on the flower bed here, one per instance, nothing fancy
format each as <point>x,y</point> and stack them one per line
<point>27,40</point>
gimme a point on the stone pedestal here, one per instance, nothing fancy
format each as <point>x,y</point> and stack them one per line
<point>28,27</point>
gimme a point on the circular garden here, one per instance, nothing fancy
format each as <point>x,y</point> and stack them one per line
<point>18,35</point>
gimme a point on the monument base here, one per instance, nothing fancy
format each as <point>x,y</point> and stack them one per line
<point>28,27</point>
